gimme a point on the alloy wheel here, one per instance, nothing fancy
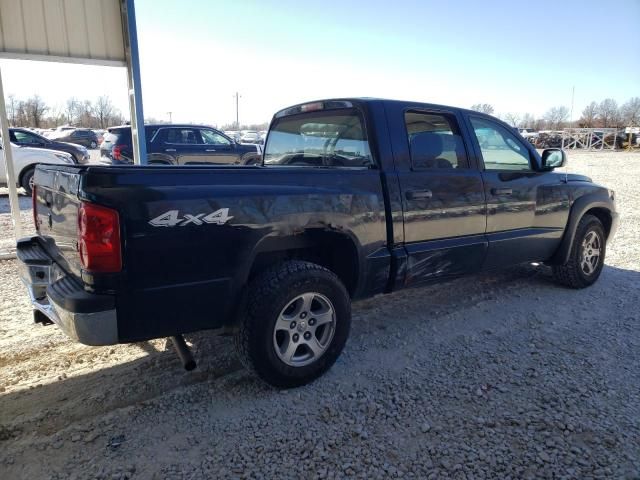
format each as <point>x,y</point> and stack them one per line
<point>304,329</point>
<point>591,249</point>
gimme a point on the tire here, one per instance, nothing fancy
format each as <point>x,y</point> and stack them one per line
<point>277,322</point>
<point>583,269</point>
<point>252,161</point>
<point>93,145</point>
<point>27,181</point>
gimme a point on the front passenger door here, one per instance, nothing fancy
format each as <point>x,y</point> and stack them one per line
<point>218,148</point>
<point>526,208</point>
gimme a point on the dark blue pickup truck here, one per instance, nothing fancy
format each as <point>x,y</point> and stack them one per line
<point>354,198</point>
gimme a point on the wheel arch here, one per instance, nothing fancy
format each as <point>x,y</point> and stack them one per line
<point>336,251</point>
<point>597,204</point>
<point>23,172</point>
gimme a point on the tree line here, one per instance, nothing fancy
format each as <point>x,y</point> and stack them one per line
<point>604,114</point>
<point>34,112</point>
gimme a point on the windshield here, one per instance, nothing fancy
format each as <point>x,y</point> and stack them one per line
<point>322,139</point>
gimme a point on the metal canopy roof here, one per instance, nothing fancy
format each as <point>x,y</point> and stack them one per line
<point>72,31</point>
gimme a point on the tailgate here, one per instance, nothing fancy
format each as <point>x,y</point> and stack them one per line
<point>56,213</point>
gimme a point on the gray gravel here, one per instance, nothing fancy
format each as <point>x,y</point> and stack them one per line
<point>501,375</point>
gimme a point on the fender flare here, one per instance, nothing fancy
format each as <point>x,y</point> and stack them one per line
<point>581,206</point>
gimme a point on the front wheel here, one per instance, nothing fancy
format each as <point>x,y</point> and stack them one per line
<point>586,258</point>
<point>27,181</point>
<point>93,144</point>
<point>294,323</point>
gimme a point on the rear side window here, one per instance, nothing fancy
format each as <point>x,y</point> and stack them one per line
<point>185,136</point>
<point>335,138</point>
<point>435,141</point>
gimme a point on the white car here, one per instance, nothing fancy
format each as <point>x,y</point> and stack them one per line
<point>25,160</point>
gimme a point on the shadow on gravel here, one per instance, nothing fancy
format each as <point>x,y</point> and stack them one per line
<point>23,200</point>
<point>50,407</point>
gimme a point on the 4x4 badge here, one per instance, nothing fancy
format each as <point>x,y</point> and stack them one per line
<point>172,218</point>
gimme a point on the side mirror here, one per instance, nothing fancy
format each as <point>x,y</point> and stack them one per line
<point>553,158</point>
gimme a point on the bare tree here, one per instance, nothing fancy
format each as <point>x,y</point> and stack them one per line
<point>540,124</point>
<point>12,109</point>
<point>84,114</point>
<point>35,108</point>
<point>483,107</point>
<point>608,113</point>
<point>103,110</point>
<point>71,109</point>
<point>512,119</point>
<point>527,121</point>
<point>631,112</point>
<point>556,117</point>
<point>589,115</point>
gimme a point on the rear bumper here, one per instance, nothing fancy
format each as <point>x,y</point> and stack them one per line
<point>86,317</point>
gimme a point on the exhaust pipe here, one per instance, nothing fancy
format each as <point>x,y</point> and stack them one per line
<point>183,352</point>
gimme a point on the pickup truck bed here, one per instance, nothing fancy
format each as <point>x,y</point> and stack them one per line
<point>359,196</point>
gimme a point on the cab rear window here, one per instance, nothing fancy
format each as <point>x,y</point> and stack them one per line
<point>334,138</point>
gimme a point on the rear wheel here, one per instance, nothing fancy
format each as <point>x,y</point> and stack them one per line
<point>94,144</point>
<point>27,181</point>
<point>294,323</point>
<point>586,258</point>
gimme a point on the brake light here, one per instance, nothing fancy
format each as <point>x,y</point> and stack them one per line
<point>116,152</point>
<point>311,107</point>
<point>34,201</point>
<point>99,238</point>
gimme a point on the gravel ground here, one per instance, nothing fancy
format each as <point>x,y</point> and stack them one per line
<point>501,375</point>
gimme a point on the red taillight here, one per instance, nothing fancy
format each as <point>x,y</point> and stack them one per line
<point>34,202</point>
<point>99,238</point>
<point>116,152</point>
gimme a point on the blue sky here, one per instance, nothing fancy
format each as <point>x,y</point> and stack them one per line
<point>519,56</point>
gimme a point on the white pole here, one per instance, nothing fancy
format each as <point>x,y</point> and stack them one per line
<point>573,92</point>
<point>7,153</point>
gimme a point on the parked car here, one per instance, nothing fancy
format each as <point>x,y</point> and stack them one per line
<point>233,134</point>
<point>250,137</point>
<point>356,197</point>
<point>79,136</point>
<point>169,144</point>
<point>27,138</point>
<point>25,160</point>
<point>52,132</point>
<point>100,134</point>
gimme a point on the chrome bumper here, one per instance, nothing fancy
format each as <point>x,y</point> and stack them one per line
<point>39,274</point>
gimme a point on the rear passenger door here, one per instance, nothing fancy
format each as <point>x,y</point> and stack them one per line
<point>183,144</point>
<point>443,198</point>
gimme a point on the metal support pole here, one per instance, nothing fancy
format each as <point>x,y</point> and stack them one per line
<point>133,80</point>
<point>237,117</point>
<point>7,153</point>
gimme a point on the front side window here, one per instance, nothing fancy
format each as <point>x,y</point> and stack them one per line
<point>435,141</point>
<point>335,138</point>
<point>209,137</point>
<point>501,149</point>
<point>184,136</point>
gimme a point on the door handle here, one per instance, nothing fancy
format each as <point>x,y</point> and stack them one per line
<point>418,194</point>
<point>170,150</point>
<point>501,191</point>
<point>210,150</point>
